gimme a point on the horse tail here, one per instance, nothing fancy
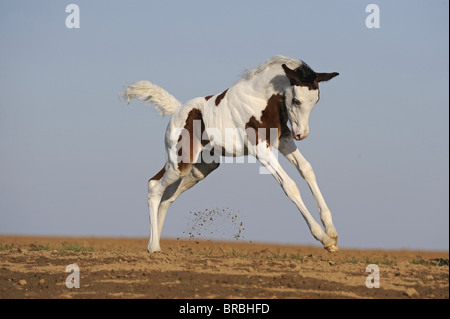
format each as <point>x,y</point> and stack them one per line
<point>164,102</point>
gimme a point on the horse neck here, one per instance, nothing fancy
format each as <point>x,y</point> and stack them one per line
<point>269,82</point>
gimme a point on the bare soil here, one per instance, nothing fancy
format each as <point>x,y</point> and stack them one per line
<point>34,267</point>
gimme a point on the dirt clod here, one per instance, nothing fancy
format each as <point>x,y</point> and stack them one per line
<point>411,292</point>
<point>216,223</point>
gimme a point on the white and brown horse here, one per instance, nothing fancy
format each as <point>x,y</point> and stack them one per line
<point>279,91</point>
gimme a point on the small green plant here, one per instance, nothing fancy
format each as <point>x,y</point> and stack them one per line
<point>369,261</point>
<point>223,253</point>
<point>438,262</point>
<point>441,262</point>
<point>69,247</point>
<point>75,248</point>
<point>295,256</point>
<point>354,260</point>
<point>237,254</point>
<point>40,248</point>
<point>233,253</point>
<point>278,255</point>
<point>209,253</point>
<point>6,247</point>
<point>379,262</point>
<point>419,261</point>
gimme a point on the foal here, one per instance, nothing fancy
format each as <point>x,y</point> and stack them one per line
<point>262,102</point>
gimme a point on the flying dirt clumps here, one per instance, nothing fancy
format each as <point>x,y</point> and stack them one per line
<point>215,223</point>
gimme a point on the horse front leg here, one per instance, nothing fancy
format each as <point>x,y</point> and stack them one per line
<point>288,148</point>
<point>269,160</point>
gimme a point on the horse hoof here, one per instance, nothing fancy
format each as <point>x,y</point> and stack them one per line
<point>152,250</point>
<point>332,248</point>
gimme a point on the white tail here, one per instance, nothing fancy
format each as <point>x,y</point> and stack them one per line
<point>164,102</point>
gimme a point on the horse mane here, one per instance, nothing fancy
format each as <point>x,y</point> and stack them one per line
<point>275,60</point>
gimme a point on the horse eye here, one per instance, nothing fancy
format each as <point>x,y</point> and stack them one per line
<point>295,101</point>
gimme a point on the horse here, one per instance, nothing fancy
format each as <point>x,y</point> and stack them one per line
<point>280,91</point>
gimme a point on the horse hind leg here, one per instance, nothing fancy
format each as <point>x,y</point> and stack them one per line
<point>186,149</point>
<point>157,186</point>
<point>197,173</point>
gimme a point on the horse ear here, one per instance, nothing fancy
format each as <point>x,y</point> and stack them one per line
<point>325,76</point>
<point>291,75</point>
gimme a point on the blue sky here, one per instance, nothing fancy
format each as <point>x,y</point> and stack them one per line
<point>75,161</point>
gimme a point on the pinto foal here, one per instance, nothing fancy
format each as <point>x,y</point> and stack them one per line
<point>279,91</point>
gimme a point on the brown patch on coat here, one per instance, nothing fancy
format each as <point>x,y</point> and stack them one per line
<point>302,76</point>
<point>273,116</point>
<point>311,85</point>
<point>208,97</point>
<point>220,97</point>
<point>305,76</point>
<point>158,175</point>
<point>195,140</point>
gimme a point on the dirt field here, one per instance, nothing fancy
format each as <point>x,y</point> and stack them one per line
<point>34,267</point>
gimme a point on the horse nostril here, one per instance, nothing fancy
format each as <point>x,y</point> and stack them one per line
<point>298,137</point>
